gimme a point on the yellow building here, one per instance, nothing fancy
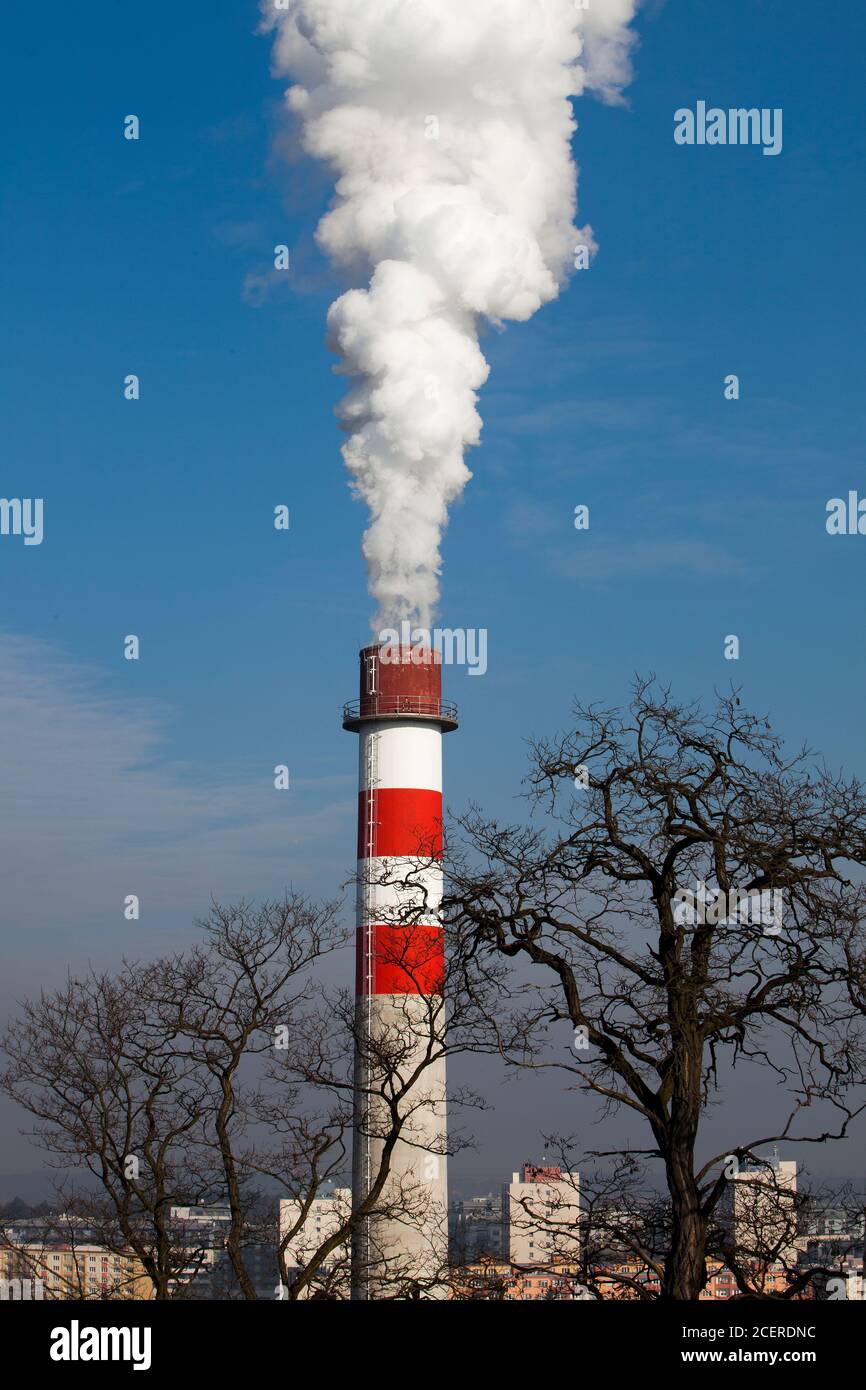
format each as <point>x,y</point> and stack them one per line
<point>45,1270</point>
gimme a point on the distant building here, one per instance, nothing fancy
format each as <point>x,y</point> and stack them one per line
<point>759,1212</point>
<point>65,1253</point>
<point>323,1219</point>
<point>51,1269</point>
<point>628,1279</point>
<point>855,1280</point>
<point>835,1223</point>
<point>615,1280</point>
<point>540,1216</point>
<point>832,1234</point>
<point>475,1230</point>
<point>500,1281</point>
<point>846,1281</point>
<point>201,1231</point>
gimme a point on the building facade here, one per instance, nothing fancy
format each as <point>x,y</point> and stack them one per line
<point>541,1216</point>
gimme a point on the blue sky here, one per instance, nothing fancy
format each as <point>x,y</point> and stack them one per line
<point>707,516</point>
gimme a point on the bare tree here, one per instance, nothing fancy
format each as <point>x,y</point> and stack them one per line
<point>109,1097</point>
<point>227,1002</point>
<point>687,907</point>
<point>226,1074</point>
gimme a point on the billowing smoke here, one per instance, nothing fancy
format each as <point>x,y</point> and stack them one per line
<point>447,124</point>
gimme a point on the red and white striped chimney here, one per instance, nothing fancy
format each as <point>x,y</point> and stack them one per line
<point>399,978</point>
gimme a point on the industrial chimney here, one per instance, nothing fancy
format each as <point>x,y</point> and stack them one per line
<point>399,977</point>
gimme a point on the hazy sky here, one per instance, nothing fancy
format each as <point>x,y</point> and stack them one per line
<point>707,516</point>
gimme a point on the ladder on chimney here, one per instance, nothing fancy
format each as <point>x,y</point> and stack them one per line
<point>371,839</point>
<point>367,904</point>
<point>370,870</point>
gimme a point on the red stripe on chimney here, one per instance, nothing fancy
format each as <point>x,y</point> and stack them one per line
<point>404,960</point>
<point>408,822</point>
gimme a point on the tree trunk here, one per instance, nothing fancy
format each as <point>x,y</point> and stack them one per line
<point>233,1239</point>
<point>685,1265</point>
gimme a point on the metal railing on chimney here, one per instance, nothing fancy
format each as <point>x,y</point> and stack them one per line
<point>388,707</point>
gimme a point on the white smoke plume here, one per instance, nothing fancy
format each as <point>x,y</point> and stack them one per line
<point>447,124</point>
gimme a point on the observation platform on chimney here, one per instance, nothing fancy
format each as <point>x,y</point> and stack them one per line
<point>375,708</point>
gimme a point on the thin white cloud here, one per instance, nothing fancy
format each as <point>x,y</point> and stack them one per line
<point>92,809</point>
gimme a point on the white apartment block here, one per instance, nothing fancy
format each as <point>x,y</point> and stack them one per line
<point>324,1217</point>
<point>759,1210</point>
<point>540,1216</point>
